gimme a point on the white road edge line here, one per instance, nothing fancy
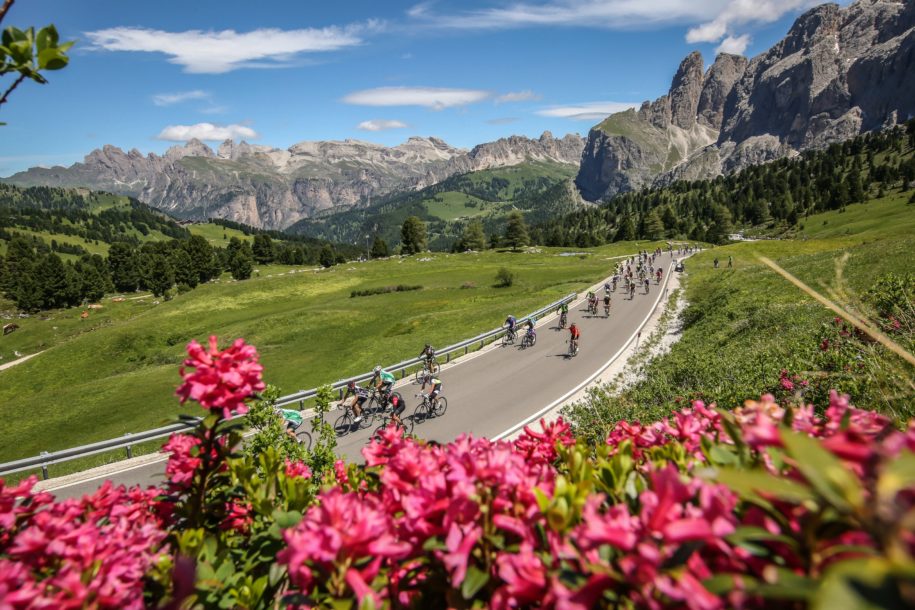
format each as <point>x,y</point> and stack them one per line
<point>596,374</point>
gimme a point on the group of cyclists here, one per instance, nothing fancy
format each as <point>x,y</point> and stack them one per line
<point>634,271</point>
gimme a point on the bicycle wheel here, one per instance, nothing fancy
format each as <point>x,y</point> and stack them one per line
<point>434,367</point>
<point>507,339</point>
<point>421,413</point>
<point>440,406</point>
<point>304,438</point>
<point>407,425</point>
<point>421,374</point>
<point>344,424</point>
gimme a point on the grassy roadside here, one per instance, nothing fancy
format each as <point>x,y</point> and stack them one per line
<point>116,371</point>
<point>746,324</point>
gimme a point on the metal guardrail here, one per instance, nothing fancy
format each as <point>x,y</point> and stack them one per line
<point>45,459</point>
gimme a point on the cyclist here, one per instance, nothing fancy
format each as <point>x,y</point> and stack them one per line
<point>510,321</point>
<point>607,303</point>
<point>293,420</point>
<point>574,334</point>
<point>563,311</point>
<point>427,354</point>
<point>436,384</point>
<point>382,380</point>
<point>360,395</point>
<point>647,285</point>
<point>530,328</point>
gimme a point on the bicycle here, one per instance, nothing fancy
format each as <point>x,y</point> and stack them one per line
<point>303,437</point>
<point>386,418</point>
<point>430,367</point>
<point>429,408</point>
<point>379,401</point>
<point>563,319</point>
<point>573,348</point>
<point>509,337</point>
<point>607,310</point>
<point>592,307</point>
<point>529,339</point>
<point>344,424</point>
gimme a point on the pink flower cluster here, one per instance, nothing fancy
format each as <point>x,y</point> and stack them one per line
<point>88,553</point>
<point>221,380</point>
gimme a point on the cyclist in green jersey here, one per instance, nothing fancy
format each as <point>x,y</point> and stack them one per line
<point>382,380</point>
<point>293,420</point>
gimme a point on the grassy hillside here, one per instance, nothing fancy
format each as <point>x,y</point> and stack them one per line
<point>538,189</point>
<point>745,325</point>
<point>116,371</point>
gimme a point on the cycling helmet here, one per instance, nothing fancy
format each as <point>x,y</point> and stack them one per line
<point>351,385</point>
<point>378,369</point>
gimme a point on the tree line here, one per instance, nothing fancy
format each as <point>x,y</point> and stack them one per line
<point>779,193</point>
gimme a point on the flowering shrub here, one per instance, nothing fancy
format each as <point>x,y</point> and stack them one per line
<point>770,504</point>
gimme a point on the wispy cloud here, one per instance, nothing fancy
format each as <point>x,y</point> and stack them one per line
<point>169,99</point>
<point>709,20</point>
<point>505,120</point>
<point>740,13</point>
<point>430,97</point>
<point>518,96</point>
<point>206,131</point>
<point>587,111</point>
<point>381,125</point>
<point>734,44</point>
<point>212,52</point>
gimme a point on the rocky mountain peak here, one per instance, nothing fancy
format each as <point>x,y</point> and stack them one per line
<point>546,136</point>
<point>718,83</point>
<point>685,91</point>
<point>193,148</point>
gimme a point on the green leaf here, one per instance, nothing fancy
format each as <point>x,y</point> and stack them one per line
<point>475,580</point>
<point>52,59</point>
<point>898,474</point>
<point>750,483</point>
<point>828,476</point>
<point>287,519</point>
<point>47,37</point>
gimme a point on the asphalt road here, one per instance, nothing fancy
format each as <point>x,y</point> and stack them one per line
<point>491,392</point>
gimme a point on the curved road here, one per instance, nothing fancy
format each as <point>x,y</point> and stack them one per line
<point>490,392</point>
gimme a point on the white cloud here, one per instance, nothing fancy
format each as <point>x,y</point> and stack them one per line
<point>734,44</point>
<point>168,99</point>
<point>429,97</point>
<point>739,13</point>
<point>206,131</point>
<point>588,111</point>
<point>380,125</point>
<point>212,52</point>
<point>518,96</point>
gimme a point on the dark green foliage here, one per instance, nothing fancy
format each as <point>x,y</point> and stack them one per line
<point>241,263</point>
<point>185,273</point>
<point>504,278</point>
<point>473,238</point>
<point>383,290</point>
<point>379,248</point>
<point>413,236</point>
<point>158,273</point>
<point>516,235</point>
<point>124,268</point>
<point>771,196</point>
<point>263,249</point>
<point>202,259</point>
<point>327,257</point>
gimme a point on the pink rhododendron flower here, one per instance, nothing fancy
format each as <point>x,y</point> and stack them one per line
<point>297,469</point>
<point>541,446</point>
<point>221,380</point>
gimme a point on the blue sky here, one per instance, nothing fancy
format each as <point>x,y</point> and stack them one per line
<point>146,75</point>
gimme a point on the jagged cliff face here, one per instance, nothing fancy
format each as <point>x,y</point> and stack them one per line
<point>273,188</point>
<point>838,72</point>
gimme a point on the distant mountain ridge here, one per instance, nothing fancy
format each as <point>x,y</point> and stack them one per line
<point>837,73</point>
<point>274,188</point>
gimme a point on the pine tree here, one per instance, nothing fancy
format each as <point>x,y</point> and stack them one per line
<point>241,264</point>
<point>202,258</point>
<point>327,257</point>
<point>123,266</point>
<point>379,248</point>
<point>413,236</point>
<point>263,249</point>
<point>473,237</point>
<point>654,227</point>
<point>185,272</point>
<point>159,274</point>
<point>516,235</point>
<point>51,276</point>
<point>626,231</point>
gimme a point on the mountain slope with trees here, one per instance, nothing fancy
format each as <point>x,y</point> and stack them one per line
<point>772,197</point>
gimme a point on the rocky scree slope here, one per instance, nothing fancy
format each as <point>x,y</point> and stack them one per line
<point>273,188</point>
<point>837,73</point>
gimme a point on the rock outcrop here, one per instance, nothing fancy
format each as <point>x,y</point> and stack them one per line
<point>274,188</point>
<point>837,73</point>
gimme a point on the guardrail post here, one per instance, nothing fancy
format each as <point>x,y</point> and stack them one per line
<point>465,350</point>
<point>129,448</point>
<point>447,357</point>
<point>44,467</point>
<point>403,373</point>
<point>302,405</point>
